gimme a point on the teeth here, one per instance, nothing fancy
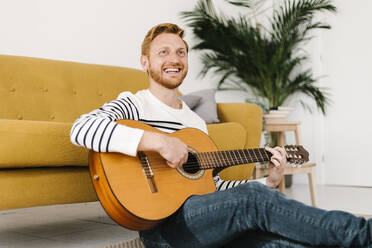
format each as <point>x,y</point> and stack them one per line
<point>172,70</point>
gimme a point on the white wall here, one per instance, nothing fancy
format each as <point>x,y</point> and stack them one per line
<point>340,142</point>
<point>110,32</point>
<point>347,55</point>
<point>93,31</point>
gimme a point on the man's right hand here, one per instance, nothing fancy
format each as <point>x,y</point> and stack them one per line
<point>173,150</point>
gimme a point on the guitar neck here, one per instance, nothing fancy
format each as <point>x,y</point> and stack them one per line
<point>220,159</point>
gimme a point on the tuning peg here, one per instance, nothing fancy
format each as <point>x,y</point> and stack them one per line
<point>291,165</point>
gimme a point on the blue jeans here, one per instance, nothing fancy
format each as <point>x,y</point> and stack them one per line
<point>252,215</point>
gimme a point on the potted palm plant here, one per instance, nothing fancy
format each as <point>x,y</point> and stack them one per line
<point>263,61</point>
<point>266,61</point>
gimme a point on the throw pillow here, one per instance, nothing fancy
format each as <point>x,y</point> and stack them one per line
<point>191,100</point>
<point>207,106</point>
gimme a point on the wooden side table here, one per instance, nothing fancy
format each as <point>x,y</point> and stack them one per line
<point>281,127</point>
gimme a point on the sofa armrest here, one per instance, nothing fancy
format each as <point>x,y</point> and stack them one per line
<point>248,115</point>
<point>26,143</point>
<point>227,135</point>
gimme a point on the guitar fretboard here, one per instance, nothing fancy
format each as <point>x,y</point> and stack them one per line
<point>210,160</point>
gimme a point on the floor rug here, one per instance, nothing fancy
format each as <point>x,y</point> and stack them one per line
<point>134,243</point>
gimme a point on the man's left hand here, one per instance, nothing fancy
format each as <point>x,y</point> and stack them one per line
<point>278,162</point>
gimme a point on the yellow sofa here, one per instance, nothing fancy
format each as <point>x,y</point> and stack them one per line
<point>39,100</point>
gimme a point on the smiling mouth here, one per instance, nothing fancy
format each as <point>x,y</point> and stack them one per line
<point>172,70</point>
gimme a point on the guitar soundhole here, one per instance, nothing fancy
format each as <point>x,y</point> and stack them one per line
<point>192,164</point>
<point>191,168</point>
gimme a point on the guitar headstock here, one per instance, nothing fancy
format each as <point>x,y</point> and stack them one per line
<point>296,154</point>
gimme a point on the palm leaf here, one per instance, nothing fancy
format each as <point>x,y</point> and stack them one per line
<point>239,3</point>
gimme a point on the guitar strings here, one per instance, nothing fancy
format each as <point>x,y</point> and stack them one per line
<point>209,160</point>
<point>158,163</point>
<point>164,166</point>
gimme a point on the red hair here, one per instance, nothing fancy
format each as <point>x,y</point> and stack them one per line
<point>160,29</point>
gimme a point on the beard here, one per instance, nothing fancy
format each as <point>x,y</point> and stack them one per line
<point>169,83</point>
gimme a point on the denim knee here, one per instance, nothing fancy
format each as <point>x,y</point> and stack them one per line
<point>252,188</point>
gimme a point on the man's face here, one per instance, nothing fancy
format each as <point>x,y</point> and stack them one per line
<point>167,61</point>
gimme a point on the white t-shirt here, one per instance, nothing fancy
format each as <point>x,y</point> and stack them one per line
<point>98,131</point>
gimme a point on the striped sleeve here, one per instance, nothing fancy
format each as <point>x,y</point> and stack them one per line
<point>222,184</point>
<point>98,130</point>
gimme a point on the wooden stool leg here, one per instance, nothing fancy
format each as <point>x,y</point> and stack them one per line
<point>282,185</point>
<point>281,143</point>
<point>298,136</point>
<point>312,187</point>
<point>280,139</point>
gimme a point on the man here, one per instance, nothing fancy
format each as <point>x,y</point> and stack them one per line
<point>248,215</point>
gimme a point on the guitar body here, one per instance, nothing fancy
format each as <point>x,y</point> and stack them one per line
<point>137,202</point>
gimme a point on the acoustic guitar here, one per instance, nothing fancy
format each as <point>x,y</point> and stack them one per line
<point>140,192</point>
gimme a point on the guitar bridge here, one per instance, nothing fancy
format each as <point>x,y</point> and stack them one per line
<point>147,171</point>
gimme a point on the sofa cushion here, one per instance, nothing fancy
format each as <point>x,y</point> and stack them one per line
<point>191,100</point>
<point>204,104</point>
<point>45,144</point>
